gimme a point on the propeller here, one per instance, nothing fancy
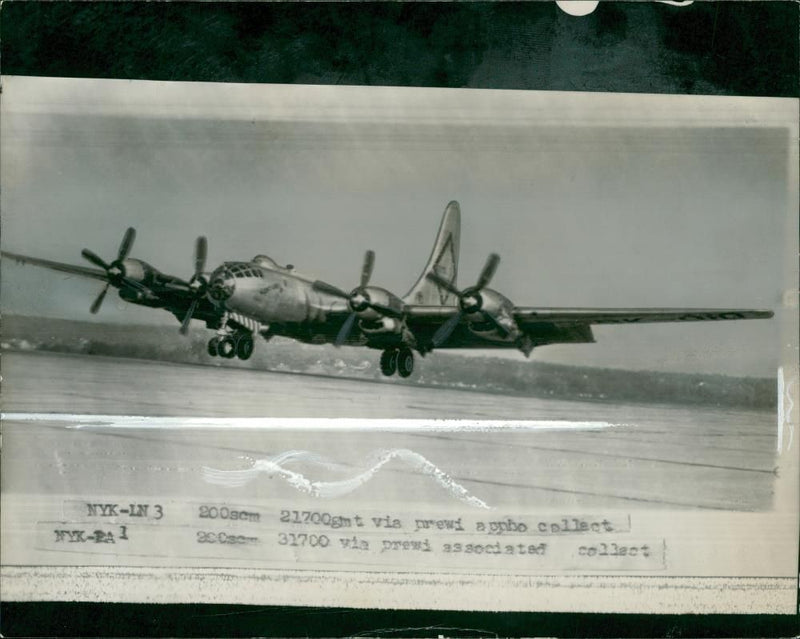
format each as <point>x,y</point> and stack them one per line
<point>198,283</point>
<point>469,299</point>
<point>115,271</point>
<point>358,299</point>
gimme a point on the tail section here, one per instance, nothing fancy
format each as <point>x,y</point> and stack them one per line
<point>443,262</point>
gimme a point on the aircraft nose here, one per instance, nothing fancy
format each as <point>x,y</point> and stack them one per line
<point>221,285</point>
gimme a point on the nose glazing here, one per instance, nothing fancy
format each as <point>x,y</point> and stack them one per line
<point>221,286</point>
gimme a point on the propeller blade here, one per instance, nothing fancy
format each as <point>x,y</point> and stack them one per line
<point>445,284</point>
<point>99,300</point>
<point>330,289</point>
<point>341,337</point>
<point>95,259</point>
<point>445,330</point>
<point>127,243</point>
<point>366,268</point>
<point>200,252</point>
<point>488,271</point>
<point>188,318</point>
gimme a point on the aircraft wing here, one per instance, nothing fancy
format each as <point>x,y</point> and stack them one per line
<point>83,271</point>
<point>526,316</point>
<point>562,325</point>
<point>529,315</point>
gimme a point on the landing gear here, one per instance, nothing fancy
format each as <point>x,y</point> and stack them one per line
<point>213,346</point>
<point>227,347</point>
<point>239,345</point>
<point>244,346</point>
<point>389,362</point>
<point>397,360</point>
<point>405,362</point>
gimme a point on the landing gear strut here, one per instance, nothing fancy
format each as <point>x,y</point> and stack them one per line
<point>397,360</point>
<point>229,346</point>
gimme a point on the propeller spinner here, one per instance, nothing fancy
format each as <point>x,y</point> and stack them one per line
<point>115,271</point>
<point>361,299</point>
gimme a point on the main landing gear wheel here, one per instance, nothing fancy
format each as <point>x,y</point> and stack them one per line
<point>389,362</point>
<point>226,347</point>
<point>230,346</point>
<point>244,347</point>
<point>399,361</point>
<point>405,362</point>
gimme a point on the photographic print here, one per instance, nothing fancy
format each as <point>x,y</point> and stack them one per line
<point>398,347</point>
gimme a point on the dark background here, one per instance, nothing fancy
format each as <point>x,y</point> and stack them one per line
<point>727,48</point>
<point>87,619</point>
<point>731,48</point>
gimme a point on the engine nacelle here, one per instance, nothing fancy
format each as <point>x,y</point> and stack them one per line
<point>135,269</point>
<point>382,326</point>
<point>362,298</point>
<point>144,297</point>
<point>493,318</point>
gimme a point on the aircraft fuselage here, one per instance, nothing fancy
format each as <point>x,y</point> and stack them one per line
<point>271,295</point>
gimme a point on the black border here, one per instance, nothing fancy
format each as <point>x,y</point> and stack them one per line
<point>727,48</point>
<point>730,48</point>
<point>202,620</point>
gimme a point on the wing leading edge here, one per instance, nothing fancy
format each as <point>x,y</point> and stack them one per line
<point>525,315</point>
<point>83,271</point>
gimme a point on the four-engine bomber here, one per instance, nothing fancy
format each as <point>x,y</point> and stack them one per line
<point>243,299</point>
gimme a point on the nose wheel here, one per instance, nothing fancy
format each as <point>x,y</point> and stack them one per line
<point>229,346</point>
<point>397,360</point>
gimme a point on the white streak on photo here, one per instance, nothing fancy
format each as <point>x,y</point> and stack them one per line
<point>294,424</point>
<point>330,489</point>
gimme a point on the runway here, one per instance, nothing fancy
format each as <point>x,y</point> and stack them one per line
<point>38,382</point>
<point>632,456</point>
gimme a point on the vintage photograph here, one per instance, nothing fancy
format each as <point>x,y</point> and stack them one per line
<point>367,330</point>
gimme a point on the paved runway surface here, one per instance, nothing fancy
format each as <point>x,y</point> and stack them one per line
<point>46,382</point>
<point>653,457</point>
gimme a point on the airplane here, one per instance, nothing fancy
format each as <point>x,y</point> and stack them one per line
<point>241,299</point>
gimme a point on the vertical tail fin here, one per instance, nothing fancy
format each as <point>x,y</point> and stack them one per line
<point>443,261</point>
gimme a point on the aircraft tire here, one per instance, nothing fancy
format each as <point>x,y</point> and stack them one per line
<point>244,347</point>
<point>213,346</point>
<point>405,362</point>
<point>227,348</point>
<point>389,362</point>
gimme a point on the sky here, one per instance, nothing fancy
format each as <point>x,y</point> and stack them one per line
<point>602,200</point>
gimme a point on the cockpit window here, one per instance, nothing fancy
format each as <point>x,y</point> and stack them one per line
<point>245,269</point>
